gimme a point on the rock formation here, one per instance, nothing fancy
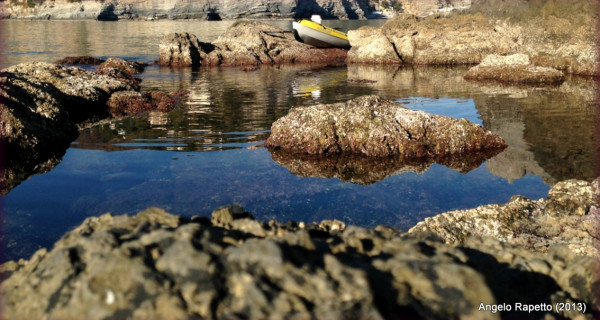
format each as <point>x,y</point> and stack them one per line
<point>244,43</point>
<point>569,216</point>
<point>182,9</point>
<point>374,127</point>
<point>555,34</point>
<point>42,105</point>
<point>156,266</point>
<point>515,68</point>
<point>459,39</point>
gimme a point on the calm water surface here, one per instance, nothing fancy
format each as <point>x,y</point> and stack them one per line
<point>203,154</point>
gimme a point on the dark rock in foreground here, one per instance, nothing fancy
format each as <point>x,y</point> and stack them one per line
<point>158,266</point>
<point>244,44</point>
<point>374,127</point>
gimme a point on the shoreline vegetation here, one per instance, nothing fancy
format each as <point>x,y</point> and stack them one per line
<point>158,265</point>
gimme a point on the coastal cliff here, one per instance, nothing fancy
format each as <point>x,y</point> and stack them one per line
<point>220,9</point>
<point>183,9</point>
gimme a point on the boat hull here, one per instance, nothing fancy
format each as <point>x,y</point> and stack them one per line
<point>319,38</point>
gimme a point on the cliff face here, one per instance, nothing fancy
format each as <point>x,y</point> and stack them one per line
<point>183,9</point>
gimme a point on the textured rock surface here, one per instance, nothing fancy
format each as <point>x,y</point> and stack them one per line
<point>133,102</point>
<point>244,43</point>
<point>181,50</point>
<point>156,265</point>
<point>178,9</point>
<point>460,39</point>
<point>42,105</point>
<point>374,127</point>
<point>80,60</point>
<point>569,216</point>
<point>42,102</point>
<point>555,34</point>
<point>513,68</point>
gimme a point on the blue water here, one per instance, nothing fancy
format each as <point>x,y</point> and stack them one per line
<point>203,155</point>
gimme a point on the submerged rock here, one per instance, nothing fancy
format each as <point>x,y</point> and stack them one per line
<point>569,216</point>
<point>133,102</point>
<point>243,44</point>
<point>514,68</point>
<point>80,60</point>
<point>157,265</point>
<point>374,127</point>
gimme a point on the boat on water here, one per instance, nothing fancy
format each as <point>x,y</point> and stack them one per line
<point>314,33</point>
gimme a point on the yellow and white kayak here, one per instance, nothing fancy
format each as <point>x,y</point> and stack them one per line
<point>318,35</point>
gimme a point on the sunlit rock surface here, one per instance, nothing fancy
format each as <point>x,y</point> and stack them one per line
<point>569,216</point>
<point>555,34</point>
<point>160,266</point>
<point>375,127</point>
<point>246,43</point>
<point>516,68</point>
<point>543,141</point>
<point>175,9</point>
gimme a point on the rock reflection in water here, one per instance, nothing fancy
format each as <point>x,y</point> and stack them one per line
<point>16,170</point>
<point>369,170</point>
<point>550,130</point>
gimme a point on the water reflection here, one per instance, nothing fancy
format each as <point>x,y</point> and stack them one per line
<point>365,170</point>
<point>160,159</point>
<point>550,131</point>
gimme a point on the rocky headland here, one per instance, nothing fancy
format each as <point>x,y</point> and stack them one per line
<point>179,9</point>
<point>157,265</point>
<point>219,9</point>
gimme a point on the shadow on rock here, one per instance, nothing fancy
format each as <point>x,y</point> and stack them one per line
<point>369,170</point>
<point>159,266</point>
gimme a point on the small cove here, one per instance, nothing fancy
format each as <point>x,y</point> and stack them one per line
<point>197,158</point>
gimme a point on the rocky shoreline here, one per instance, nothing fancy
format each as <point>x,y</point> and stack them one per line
<point>219,9</point>
<point>506,49</point>
<point>44,105</point>
<point>457,264</point>
<point>157,265</point>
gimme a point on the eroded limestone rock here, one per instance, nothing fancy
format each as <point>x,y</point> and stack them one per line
<point>515,68</point>
<point>160,266</point>
<point>375,127</point>
<point>245,43</point>
<point>569,216</point>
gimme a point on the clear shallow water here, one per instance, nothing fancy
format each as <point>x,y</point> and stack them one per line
<point>202,155</point>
